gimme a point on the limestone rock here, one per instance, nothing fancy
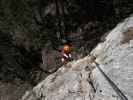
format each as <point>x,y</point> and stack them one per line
<point>82,80</point>
<point>70,82</point>
<point>115,56</point>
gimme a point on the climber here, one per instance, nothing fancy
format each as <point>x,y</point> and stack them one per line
<point>66,53</point>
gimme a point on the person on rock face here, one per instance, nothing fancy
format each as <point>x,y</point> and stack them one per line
<point>66,53</point>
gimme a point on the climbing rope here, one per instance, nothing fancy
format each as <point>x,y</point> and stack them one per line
<point>113,85</point>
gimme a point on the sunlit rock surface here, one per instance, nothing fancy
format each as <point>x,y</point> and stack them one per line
<point>70,82</point>
<point>115,56</point>
<point>81,80</point>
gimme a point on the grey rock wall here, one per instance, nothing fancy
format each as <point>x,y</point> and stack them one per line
<point>115,56</point>
<point>81,80</point>
<point>70,82</point>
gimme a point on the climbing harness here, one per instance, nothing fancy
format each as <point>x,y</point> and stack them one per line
<point>113,85</point>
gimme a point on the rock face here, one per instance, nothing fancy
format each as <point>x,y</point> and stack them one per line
<point>81,80</point>
<point>12,91</point>
<point>70,82</point>
<point>115,56</point>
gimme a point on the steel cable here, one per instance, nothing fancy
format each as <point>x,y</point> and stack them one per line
<point>113,85</point>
